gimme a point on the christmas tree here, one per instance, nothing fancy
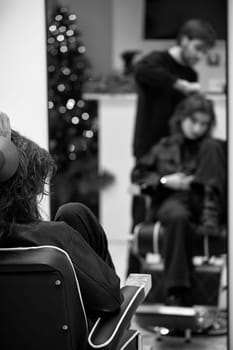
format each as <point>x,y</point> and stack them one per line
<point>73,126</point>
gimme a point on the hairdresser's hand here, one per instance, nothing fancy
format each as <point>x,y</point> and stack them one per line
<point>5,127</point>
<point>187,87</point>
<point>178,181</point>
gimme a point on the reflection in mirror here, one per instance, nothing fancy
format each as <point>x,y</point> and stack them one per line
<point>92,109</point>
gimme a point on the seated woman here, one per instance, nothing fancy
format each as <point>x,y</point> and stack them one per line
<point>185,173</point>
<point>74,229</point>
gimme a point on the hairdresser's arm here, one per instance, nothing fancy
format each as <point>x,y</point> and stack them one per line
<point>177,181</point>
<point>186,87</point>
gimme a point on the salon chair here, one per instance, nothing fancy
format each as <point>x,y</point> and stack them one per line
<point>42,309</point>
<point>209,266</point>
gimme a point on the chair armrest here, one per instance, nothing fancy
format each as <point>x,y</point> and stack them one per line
<point>107,331</point>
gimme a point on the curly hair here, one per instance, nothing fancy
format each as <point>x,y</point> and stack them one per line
<point>195,102</point>
<point>19,194</point>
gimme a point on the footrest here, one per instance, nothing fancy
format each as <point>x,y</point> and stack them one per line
<point>171,317</point>
<point>205,284</point>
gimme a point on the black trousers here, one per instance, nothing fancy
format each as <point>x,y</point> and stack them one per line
<point>81,218</point>
<point>178,243</point>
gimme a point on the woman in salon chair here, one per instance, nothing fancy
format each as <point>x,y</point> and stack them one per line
<point>25,168</point>
<point>185,175</point>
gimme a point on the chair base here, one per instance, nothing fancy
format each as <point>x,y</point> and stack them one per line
<point>201,318</point>
<point>181,321</point>
<point>158,316</point>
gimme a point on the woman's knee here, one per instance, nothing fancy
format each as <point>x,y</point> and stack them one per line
<point>173,213</point>
<point>178,215</point>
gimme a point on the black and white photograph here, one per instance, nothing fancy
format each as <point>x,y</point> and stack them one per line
<point>116,174</point>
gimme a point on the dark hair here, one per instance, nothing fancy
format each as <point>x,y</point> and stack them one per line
<point>19,194</point>
<point>198,29</point>
<point>195,102</point>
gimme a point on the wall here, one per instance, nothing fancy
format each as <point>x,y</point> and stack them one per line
<point>128,35</point>
<point>117,26</point>
<point>110,27</point>
<point>23,69</point>
<point>95,25</point>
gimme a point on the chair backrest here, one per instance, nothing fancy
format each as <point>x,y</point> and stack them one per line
<point>40,301</point>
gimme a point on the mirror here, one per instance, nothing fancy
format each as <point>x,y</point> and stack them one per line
<point>105,112</point>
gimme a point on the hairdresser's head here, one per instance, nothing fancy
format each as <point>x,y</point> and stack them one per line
<point>19,195</point>
<point>194,117</point>
<point>195,38</point>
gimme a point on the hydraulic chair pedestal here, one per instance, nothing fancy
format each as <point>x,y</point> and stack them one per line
<point>153,313</point>
<point>161,318</point>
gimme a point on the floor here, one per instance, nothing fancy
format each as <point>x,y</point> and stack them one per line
<point>119,251</point>
<point>198,342</point>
